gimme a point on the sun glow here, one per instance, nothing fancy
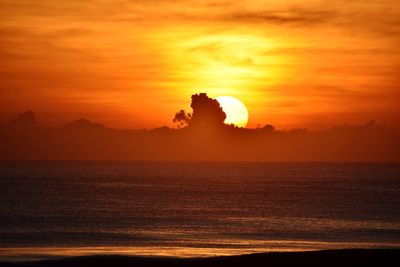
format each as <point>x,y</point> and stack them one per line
<point>222,61</point>
<point>236,112</point>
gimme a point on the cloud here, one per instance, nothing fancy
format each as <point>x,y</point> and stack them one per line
<point>284,17</point>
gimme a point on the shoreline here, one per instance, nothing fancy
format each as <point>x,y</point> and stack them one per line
<point>339,257</point>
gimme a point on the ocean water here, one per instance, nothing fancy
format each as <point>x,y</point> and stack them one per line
<point>195,209</point>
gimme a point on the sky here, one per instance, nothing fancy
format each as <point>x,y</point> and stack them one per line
<point>134,64</point>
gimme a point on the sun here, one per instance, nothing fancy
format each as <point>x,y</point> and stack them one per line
<point>236,112</point>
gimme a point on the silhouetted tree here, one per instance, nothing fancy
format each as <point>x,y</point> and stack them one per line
<point>26,119</point>
<point>182,118</point>
<point>207,112</point>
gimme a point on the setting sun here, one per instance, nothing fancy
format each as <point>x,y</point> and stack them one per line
<point>236,112</point>
<point>199,133</point>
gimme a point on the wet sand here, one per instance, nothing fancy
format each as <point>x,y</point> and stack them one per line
<point>346,257</point>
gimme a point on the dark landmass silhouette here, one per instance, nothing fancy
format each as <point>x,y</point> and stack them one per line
<point>349,257</point>
<point>200,135</point>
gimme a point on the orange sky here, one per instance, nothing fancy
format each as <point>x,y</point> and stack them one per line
<point>133,64</point>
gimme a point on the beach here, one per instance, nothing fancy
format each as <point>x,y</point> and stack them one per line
<point>351,257</point>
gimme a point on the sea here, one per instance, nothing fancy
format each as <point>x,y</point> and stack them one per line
<point>195,209</point>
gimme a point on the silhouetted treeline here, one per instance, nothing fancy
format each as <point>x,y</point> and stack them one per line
<point>23,138</point>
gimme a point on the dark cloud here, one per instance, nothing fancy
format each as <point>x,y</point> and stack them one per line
<point>276,17</point>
